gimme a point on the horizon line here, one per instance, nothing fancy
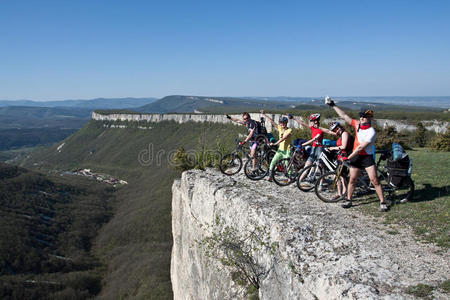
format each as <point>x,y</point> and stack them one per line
<point>237,97</point>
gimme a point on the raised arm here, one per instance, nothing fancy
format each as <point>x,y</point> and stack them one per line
<point>275,125</point>
<point>235,120</point>
<point>328,131</point>
<point>300,121</point>
<point>338,110</point>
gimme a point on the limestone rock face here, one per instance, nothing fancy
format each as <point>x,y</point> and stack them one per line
<point>195,117</point>
<point>323,251</point>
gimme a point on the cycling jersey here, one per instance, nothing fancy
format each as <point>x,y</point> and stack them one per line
<point>284,145</point>
<point>350,141</point>
<point>315,131</point>
<point>250,126</point>
<point>364,135</point>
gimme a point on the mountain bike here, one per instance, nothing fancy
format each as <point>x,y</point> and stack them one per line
<point>286,170</point>
<point>326,188</point>
<point>312,173</point>
<point>231,163</point>
<point>263,156</point>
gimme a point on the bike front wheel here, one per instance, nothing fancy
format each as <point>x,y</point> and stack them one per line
<point>284,172</point>
<point>260,171</point>
<point>307,177</point>
<point>230,164</point>
<point>330,187</point>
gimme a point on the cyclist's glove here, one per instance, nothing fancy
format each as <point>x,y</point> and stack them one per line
<point>329,101</point>
<point>228,117</point>
<point>242,143</point>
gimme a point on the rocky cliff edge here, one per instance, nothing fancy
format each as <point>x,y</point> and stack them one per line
<point>318,250</point>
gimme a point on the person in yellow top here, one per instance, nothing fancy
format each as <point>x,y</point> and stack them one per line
<point>283,143</point>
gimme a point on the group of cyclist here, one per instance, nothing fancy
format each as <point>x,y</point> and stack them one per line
<point>358,151</point>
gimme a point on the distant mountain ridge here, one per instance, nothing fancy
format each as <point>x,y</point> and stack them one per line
<point>197,104</point>
<point>37,117</point>
<point>98,103</point>
<point>190,103</point>
<point>185,104</point>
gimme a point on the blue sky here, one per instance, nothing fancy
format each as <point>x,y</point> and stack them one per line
<point>86,49</point>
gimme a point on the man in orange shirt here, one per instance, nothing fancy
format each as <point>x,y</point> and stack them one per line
<point>362,155</point>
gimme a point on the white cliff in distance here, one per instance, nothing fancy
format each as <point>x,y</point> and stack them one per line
<point>217,118</point>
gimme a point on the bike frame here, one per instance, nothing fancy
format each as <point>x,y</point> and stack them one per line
<point>324,161</point>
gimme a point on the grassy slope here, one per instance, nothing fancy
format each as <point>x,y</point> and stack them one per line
<point>428,212</point>
<point>136,243</point>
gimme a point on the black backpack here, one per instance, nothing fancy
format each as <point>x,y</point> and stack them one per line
<point>261,127</point>
<point>397,170</point>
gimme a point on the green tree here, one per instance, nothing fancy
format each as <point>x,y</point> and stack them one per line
<point>385,137</point>
<point>181,161</point>
<point>441,141</point>
<point>420,135</point>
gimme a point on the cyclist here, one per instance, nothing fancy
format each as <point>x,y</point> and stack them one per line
<point>362,155</point>
<point>344,144</point>
<point>316,140</point>
<point>252,128</point>
<point>283,143</point>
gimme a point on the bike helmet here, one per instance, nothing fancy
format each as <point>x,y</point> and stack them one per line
<point>314,117</point>
<point>366,112</point>
<point>283,119</point>
<point>334,125</point>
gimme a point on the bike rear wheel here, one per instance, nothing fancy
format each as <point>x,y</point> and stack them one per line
<point>312,173</point>
<point>402,194</point>
<point>230,164</point>
<point>327,187</point>
<point>284,173</point>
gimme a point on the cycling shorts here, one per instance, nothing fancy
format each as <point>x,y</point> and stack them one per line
<point>362,161</point>
<point>315,153</point>
<point>253,145</point>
